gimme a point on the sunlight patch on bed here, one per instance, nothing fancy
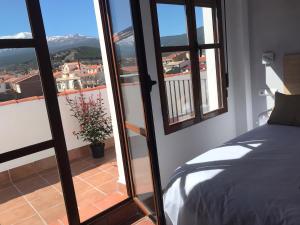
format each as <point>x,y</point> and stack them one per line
<point>220,154</point>
<point>196,178</point>
<point>255,145</point>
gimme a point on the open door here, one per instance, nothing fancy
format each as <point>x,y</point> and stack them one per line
<point>122,27</point>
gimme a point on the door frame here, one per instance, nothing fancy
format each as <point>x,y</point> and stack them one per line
<point>147,105</point>
<point>116,213</point>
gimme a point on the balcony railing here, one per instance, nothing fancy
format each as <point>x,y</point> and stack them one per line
<point>179,93</point>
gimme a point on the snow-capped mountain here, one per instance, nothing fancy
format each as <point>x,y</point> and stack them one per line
<point>57,44</point>
<point>22,35</point>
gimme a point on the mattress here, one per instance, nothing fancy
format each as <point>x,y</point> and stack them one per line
<point>253,179</point>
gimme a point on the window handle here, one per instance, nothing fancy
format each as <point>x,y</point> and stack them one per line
<point>149,82</point>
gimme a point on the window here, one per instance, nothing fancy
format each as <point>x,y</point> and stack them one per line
<point>190,61</point>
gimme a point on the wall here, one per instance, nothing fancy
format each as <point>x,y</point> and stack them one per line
<point>26,123</point>
<point>177,148</point>
<point>274,26</point>
<point>239,62</point>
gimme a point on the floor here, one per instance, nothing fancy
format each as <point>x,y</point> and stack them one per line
<point>144,221</point>
<point>38,199</point>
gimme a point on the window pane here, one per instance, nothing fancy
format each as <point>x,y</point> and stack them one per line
<point>205,27</point>
<point>178,84</point>
<point>210,80</point>
<point>141,168</point>
<point>14,21</point>
<point>23,115</point>
<point>124,43</point>
<point>172,25</point>
<point>30,191</point>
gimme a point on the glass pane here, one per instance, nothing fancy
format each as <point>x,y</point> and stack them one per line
<point>98,173</point>
<point>23,115</point>
<point>205,25</point>
<point>127,63</point>
<point>30,191</point>
<point>14,21</point>
<point>141,168</point>
<point>172,25</point>
<point>179,86</point>
<point>209,73</point>
<point>132,98</point>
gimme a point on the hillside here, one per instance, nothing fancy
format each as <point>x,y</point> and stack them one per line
<point>73,47</point>
<point>84,54</point>
<point>179,40</point>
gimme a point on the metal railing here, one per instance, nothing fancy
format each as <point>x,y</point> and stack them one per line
<point>180,98</point>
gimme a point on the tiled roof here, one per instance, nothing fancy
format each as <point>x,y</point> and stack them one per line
<point>65,93</point>
<point>21,78</point>
<point>177,74</point>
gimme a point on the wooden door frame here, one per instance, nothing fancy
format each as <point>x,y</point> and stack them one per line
<point>146,97</point>
<point>39,43</point>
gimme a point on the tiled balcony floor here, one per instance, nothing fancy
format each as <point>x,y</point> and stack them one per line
<point>38,199</point>
<point>144,221</point>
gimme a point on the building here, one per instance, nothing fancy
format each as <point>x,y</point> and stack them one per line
<point>75,76</point>
<point>26,86</point>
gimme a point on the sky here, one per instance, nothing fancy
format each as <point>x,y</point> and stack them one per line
<point>62,17</point>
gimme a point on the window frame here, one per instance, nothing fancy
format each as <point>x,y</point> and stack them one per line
<point>194,48</point>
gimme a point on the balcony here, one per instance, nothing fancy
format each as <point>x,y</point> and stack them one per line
<point>30,188</point>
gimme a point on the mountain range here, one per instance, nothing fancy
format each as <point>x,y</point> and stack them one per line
<point>73,47</point>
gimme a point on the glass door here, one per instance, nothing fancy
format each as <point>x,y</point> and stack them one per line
<point>123,29</point>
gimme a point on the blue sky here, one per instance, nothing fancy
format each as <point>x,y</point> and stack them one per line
<point>172,19</point>
<point>63,17</point>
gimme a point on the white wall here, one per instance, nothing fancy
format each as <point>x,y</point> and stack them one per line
<point>274,26</point>
<point>177,148</point>
<point>2,87</point>
<point>239,62</point>
<point>26,123</point>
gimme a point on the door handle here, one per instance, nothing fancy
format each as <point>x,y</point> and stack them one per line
<point>150,83</point>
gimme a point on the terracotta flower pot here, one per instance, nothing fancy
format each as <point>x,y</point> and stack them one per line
<point>97,150</point>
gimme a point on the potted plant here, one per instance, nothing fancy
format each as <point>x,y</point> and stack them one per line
<point>95,124</point>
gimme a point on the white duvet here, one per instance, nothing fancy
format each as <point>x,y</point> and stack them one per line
<point>251,180</point>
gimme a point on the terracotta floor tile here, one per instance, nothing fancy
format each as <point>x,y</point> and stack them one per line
<point>122,188</point>
<point>99,178</point>
<point>81,187</point>
<point>35,220</point>
<point>54,215</point>
<point>113,170</point>
<point>57,187</point>
<point>94,162</point>
<point>51,176</point>
<point>90,197</point>
<point>144,221</point>
<point>109,156</point>
<point>107,165</point>
<point>47,199</point>
<point>42,193</point>
<point>86,211</point>
<point>9,199</point>
<point>90,172</point>
<point>16,214</point>
<point>22,172</point>
<point>4,179</point>
<point>77,167</point>
<point>110,201</point>
<point>109,187</point>
<point>31,185</point>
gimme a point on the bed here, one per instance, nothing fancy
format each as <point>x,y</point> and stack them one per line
<point>253,179</point>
